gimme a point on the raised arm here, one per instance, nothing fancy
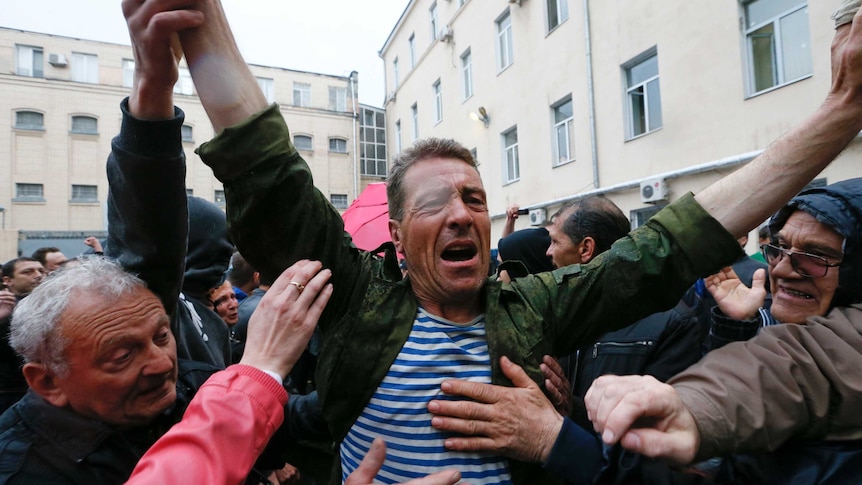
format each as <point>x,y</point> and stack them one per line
<point>226,87</point>
<point>743,199</point>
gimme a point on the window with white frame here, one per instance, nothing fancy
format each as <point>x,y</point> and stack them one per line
<point>85,68</point>
<point>564,132</point>
<point>184,83</point>
<point>29,120</point>
<point>398,136</point>
<point>411,45</point>
<point>504,41</point>
<point>188,134</point>
<point>267,85</point>
<point>467,74</point>
<point>30,61</point>
<point>219,198</point>
<point>558,12</point>
<point>128,72</point>
<point>432,13</point>
<point>372,142</point>
<point>301,94</point>
<point>303,142</point>
<point>29,193</point>
<point>511,164</point>
<point>438,102</point>
<point>86,125</point>
<point>414,114</point>
<point>85,193</point>
<point>339,201</point>
<point>337,98</point>
<point>338,145</point>
<point>643,95</point>
<point>778,42</point>
<point>395,72</point>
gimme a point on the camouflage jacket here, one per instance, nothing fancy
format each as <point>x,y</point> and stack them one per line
<point>276,217</point>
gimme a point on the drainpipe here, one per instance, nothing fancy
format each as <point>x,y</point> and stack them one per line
<point>353,76</point>
<point>591,94</point>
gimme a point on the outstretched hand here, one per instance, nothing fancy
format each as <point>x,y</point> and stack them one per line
<point>282,324</point>
<point>645,416</point>
<point>153,27</point>
<point>519,422</point>
<point>736,300</point>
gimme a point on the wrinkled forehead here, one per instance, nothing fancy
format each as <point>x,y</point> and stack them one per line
<point>436,174</point>
<point>803,227</point>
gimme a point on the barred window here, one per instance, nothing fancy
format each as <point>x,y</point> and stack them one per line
<point>87,125</point>
<point>85,193</point>
<point>29,120</point>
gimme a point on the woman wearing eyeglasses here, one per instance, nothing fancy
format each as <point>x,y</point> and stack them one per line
<point>814,264</point>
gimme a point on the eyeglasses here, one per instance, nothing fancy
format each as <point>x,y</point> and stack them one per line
<point>807,265</point>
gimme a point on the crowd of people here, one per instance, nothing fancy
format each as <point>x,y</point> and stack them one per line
<point>196,345</point>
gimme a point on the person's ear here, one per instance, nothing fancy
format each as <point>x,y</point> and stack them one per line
<point>256,279</point>
<point>587,249</point>
<point>395,234</point>
<point>44,382</point>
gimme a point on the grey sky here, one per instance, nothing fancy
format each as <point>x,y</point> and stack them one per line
<point>326,36</point>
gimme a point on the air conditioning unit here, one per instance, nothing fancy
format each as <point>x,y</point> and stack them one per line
<point>653,191</point>
<point>57,60</point>
<point>445,35</point>
<point>538,217</point>
<point>390,97</point>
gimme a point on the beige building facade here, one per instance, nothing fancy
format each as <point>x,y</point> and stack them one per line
<point>59,110</point>
<point>639,101</point>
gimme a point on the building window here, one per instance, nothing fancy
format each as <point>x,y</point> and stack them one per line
<point>128,72</point>
<point>337,98</point>
<point>644,96</point>
<point>85,68</point>
<point>85,193</point>
<point>467,73</point>
<point>85,125</point>
<point>438,102</point>
<point>411,45</point>
<point>267,85</point>
<point>504,41</point>
<point>372,143</point>
<point>564,133</point>
<point>398,136</point>
<point>188,134</point>
<point>339,201</point>
<point>395,72</point>
<point>338,145</point>
<point>218,197</point>
<point>414,114</point>
<point>302,95</point>
<point>511,165</point>
<point>303,142</point>
<point>29,193</point>
<point>638,217</point>
<point>558,12</point>
<point>30,61</point>
<point>778,42</point>
<point>184,83</point>
<point>29,120</point>
<point>433,14</point>
<point>190,192</point>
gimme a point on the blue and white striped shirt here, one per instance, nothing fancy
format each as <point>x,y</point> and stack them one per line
<point>436,350</point>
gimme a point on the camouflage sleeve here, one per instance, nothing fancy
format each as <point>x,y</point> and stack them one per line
<point>643,273</point>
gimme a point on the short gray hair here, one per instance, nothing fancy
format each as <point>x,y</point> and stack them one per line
<point>421,150</point>
<point>35,332</point>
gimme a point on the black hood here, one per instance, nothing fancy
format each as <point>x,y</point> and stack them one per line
<point>529,247</point>
<point>838,206</point>
<point>209,249</point>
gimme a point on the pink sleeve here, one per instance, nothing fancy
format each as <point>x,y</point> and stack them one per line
<point>225,428</point>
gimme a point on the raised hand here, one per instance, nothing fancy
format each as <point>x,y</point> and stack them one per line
<point>736,300</point>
